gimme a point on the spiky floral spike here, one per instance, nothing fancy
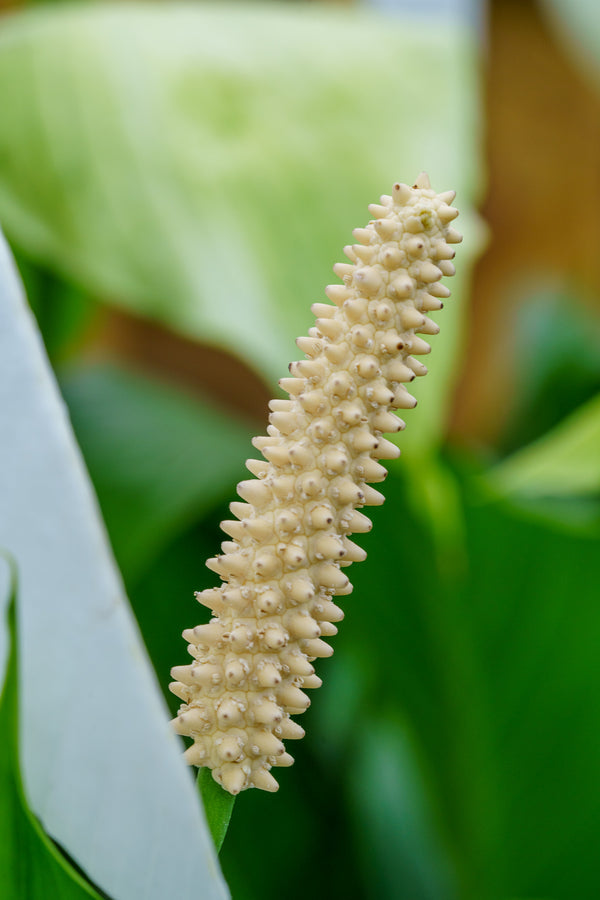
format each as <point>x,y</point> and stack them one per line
<point>290,540</point>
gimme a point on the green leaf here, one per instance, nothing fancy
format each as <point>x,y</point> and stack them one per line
<point>203,165</point>
<point>102,770</point>
<point>407,622</point>
<point>557,344</point>
<point>394,817</point>
<point>563,463</point>
<point>218,806</point>
<point>532,597</point>
<point>494,669</point>
<point>30,863</point>
<point>64,313</point>
<point>159,459</point>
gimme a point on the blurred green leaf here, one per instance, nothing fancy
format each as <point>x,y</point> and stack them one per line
<point>434,496</point>
<point>396,835</point>
<point>557,351</point>
<point>532,593</point>
<point>495,672</point>
<point>30,864</point>
<point>204,165</point>
<point>159,459</point>
<point>563,463</point>
<point>101,767</point>
<point>64,313</point>
<point>162,595</point>
<point>408,624</point>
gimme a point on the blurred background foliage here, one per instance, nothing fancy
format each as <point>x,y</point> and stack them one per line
<point>176,182</point>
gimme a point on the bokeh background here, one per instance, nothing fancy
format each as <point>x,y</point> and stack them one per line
<point>176,183</point>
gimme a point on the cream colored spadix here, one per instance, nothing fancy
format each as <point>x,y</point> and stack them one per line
<point>290,544</point>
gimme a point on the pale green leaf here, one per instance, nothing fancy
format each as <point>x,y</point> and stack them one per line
<point>204,164</point>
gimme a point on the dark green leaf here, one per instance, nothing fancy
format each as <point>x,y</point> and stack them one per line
<point>411,630</point>
<point>564,463</point>
<point>533,596</point>
<point>557,356</point>
<point>64,313</point>
<point>159,459</point>
<point>397,834</point>
<point>218,806</point>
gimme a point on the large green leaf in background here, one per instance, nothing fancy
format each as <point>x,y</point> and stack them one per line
<point>204,165</point>
<point>159,459</point>
<point>393,817</point>
<point>101,769</point>
<point>534,618</point>
<point>407,623</point>
<point>494,671</point>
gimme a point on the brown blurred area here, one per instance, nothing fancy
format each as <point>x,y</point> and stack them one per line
<point>543,161</point>
<point>207,371</point>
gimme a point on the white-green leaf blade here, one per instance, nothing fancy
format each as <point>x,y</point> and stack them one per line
<point>101,769</point>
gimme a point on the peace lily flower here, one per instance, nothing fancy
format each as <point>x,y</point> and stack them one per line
<point>290,539</point>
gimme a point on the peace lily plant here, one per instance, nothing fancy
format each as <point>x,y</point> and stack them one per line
<point>290,536</point>
<point>176,164</point>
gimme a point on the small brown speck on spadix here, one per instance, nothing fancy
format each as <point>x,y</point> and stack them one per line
<point>253,661</point>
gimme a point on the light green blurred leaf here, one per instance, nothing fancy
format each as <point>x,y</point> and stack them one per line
<point>204,164</point>
<point>158,458</point>
<point>564,463</point>
<point>102,770</point>
<point>31,865</point>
